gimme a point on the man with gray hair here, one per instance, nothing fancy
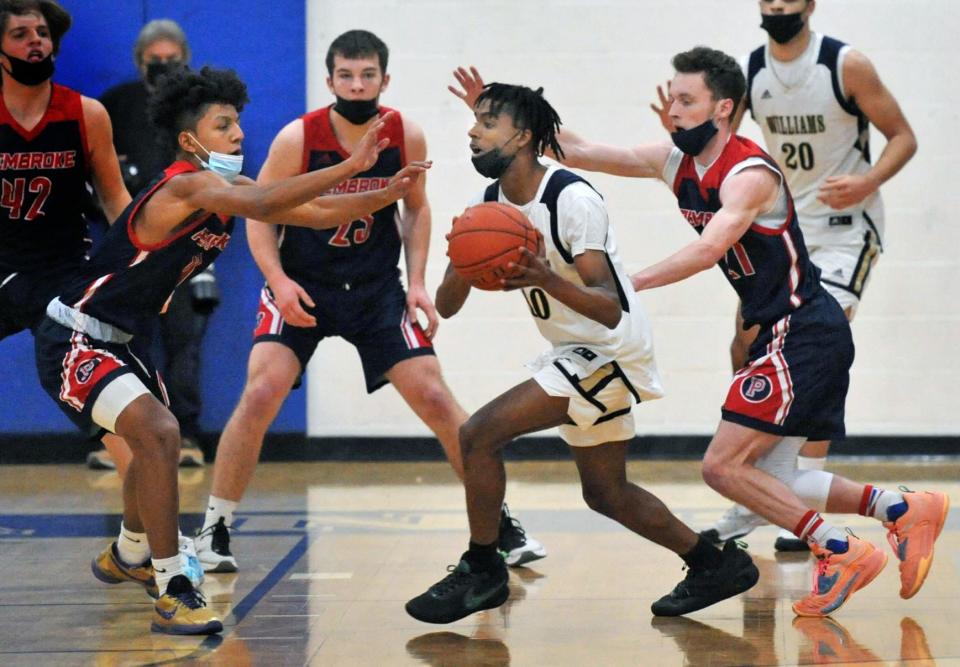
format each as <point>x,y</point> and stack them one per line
<point>161,47</point>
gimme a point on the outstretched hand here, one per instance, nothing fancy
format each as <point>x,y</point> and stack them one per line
<point>471,83</point>
<point>406,178</point>
<point>368,148</point>
<point>663,111</point>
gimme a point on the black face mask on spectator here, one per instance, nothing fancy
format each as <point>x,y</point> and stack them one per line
<point>158,68</point>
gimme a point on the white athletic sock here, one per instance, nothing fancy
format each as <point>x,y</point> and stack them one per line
<point>165,569</point>
<point>876,503</point>
<point>219,507</point>
<point>132,547</point>
<point>811,462</point>
<point>813,527</point>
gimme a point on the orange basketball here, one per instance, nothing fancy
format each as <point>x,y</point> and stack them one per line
<point>485,239</point>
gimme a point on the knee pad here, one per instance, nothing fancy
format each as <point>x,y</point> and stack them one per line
<point>811,486</point>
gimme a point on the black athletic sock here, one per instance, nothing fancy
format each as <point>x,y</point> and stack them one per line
<point>703,556</point>
<point>483,557</point>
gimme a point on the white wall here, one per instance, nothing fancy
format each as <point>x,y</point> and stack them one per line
<point>599,61</point>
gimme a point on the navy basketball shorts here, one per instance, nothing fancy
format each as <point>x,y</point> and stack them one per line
<point>371,316</point>
<point>93,381</point>
<point>795,382</point>
<point>24,296</point>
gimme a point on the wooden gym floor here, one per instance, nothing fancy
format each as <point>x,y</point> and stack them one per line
<point>329,553</point>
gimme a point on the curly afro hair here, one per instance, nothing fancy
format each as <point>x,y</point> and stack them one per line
<point>183,96</point>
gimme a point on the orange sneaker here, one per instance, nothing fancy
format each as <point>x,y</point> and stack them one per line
<point>840,575</point>
<point>912,536</point>
<point>914,648</point>
<point>829,643</point>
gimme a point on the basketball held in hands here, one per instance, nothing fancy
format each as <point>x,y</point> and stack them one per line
<point>486,239</point>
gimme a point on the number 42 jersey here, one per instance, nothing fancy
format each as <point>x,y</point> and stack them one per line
<point>43,174</point>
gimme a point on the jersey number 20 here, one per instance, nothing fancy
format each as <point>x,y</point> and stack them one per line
<point>14,192</point>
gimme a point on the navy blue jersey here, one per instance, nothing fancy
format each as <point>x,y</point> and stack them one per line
<point>43,174</point>
<point>359,251</point>
<point>769,266</point>
<point>127,283</point>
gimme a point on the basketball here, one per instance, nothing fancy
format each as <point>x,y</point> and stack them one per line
<point>485,239</point>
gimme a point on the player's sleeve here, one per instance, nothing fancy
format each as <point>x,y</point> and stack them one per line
<point>582,218</point>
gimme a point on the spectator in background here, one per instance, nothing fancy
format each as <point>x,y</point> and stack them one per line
<point>160,47</point>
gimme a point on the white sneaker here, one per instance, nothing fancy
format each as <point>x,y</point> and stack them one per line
<point>213,548</point>
<point>189,563</point>
<point>735,522</point>
<point>516,546</point>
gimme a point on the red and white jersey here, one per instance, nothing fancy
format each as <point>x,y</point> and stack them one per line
<point>768,266</point>
<point>43,175</point>
<point>127,283</point>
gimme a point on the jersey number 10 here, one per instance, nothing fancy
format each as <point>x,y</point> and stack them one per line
<point>14,192</point>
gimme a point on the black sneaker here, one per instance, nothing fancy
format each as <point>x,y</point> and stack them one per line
<point>790,543</point>
<point>702,588</point>
<point>516,546</point>
<point>460,594</point>
<point>213,548</point>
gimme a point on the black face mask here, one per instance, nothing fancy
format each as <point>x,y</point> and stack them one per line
<point>357,112</point>
<point>157,69</point>
<point>693,141</point>
<point>782,27</point>
<point>493,163</point>
<point>30,73</point>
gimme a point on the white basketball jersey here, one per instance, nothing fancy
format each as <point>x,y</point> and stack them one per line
<point>572,218</point>
<point>813,132</point>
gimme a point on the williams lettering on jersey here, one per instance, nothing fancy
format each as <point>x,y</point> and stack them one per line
<point>812,124</point>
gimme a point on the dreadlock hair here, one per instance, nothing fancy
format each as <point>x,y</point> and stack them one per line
<point>183,96</point>
<point>721,73</point>
<point>57,18</point>
<point>529,110</point>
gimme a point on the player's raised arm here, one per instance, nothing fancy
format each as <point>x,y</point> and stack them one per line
<point>644,161</point>
<point>262,201</point>
<point>744,196</point>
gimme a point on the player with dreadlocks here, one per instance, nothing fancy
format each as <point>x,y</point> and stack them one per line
<point>92,346</point>
<point>600,363</point>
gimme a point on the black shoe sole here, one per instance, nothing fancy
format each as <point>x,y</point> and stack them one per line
<point>791,545</point>
<point>492,603</point>
<point>713,536</point>
<point>746,579</point>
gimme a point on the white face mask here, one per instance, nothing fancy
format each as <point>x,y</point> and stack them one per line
<point>225,164</point>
